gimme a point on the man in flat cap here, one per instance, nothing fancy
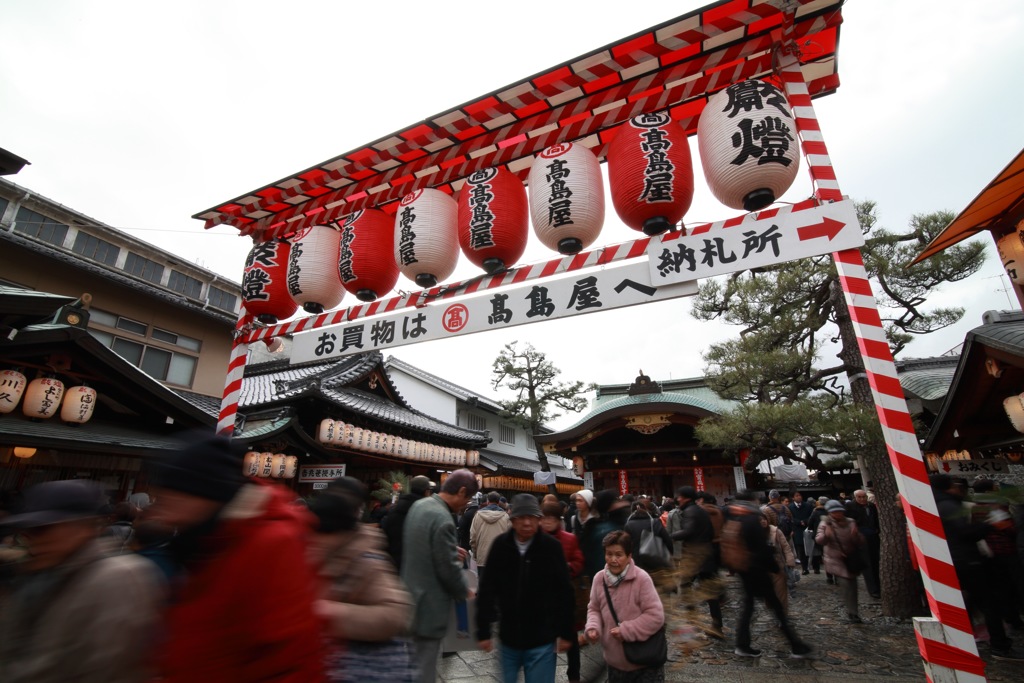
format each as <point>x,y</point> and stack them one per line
<point>78,610</point>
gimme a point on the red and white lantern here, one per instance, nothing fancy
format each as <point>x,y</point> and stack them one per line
<point>427,236</point>
<point>493,219</point>
<point>366,263</point>
<point>12,386</point>
<point>566,197</point>
<point>1011,253</point>
<point>79,404</point>
<point>313,279</point>
<point>265,282</point>
<point>748,145</point>
<point>650,172</point>
<point>42,397</point>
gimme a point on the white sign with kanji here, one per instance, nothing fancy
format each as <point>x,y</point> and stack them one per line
<point>321,473</point>
<point>755,243</point>
<point>975,467</point>
<point>583,292</point>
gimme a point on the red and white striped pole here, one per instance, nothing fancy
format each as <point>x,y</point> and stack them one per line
<point>946,640</point>
<point>233,382</point>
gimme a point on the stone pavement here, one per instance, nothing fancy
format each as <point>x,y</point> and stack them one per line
<point>879,649</point>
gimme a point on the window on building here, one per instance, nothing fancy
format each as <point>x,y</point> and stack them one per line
<point>143,267</point>
<point>183,284</point>
<point>167,365</point>
<point>507,434</point>
<point>96,249</point>
<point>225,301</point>
<point>477,422</point>
<point>33,224</point>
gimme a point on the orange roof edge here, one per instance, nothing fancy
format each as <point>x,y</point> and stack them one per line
<point>991,210</point>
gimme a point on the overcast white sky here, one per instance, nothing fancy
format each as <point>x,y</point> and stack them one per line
<point>142,114</point>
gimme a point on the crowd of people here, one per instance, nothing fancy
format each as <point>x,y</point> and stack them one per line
<point>213,576</point>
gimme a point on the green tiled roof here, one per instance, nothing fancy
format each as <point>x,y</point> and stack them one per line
<point>702,398</point>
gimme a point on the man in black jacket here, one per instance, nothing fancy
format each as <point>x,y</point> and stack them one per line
<point>527,586</point>
<point>419,487</point>
<point>865,514</point>
<point>757,580</point>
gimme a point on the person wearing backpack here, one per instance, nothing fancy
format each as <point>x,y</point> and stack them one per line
<point>749,527</point>
<point>783,515</point>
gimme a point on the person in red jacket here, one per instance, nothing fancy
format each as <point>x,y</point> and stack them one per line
<point>551,523</point>
<point>242,602</point>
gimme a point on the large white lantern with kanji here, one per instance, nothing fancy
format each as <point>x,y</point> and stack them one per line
<point>748,145</point>
<point>12,386</point>
<point>42,397</point>
<point>427,236</point>
<point>313,279</point>
<point>79,404</point>
<point>1011,253</point>
<point>566,197</point>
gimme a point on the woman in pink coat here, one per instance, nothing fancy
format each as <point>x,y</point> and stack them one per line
<point>637,605</point>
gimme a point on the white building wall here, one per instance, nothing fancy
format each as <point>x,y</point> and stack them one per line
<point>425,397</point>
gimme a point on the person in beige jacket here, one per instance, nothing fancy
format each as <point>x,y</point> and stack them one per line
<point>77,611</point>
<point>366,608</point>
<point>489,523</point>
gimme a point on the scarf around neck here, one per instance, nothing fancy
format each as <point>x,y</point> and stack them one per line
<point>613,580</point>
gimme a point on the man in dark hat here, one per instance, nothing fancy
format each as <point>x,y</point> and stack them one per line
<point>79,611</point>
<point>527,587</point>
<point>243,605</point>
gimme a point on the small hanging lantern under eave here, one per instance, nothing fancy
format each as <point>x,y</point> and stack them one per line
<point>265,282</point>
<point>1011,253</point>
<point>748,145</point>
<point>251,464</point>
<point>313,279</point>
<point>42,397</point>
<point>266,463</point>
<point>1014,407</point>
<point>79,404</point>
<point>12,386</point>
<point>326,431</point>
<point>427,236</point>
<point>366,261</point>
<point>278,467</point>
<point>494,219</point>
<point>566,197</point>
<point>24,452</point>
<point>650,172</point>
<point>291,466</point>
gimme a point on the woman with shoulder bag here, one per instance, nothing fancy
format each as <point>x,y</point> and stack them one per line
<point>626,614</point>
<point>841,541</point>
<point>365,607</point>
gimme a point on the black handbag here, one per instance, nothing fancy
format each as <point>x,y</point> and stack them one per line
<point>652,652</point>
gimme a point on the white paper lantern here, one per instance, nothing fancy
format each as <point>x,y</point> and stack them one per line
<point>326,432</point>
<point>291,465</point>
<point>427,236</point>
<point>12,386</point>
<point>1011,253</point>
<point>79,404</point>
<point>266,465</point>
<point>251,464</point>
<point>42,397</point>
<point>278,466</point>
<point>566,197</point>
<point>748,145</point>
<point>358,438</point>
<point>1014,407</point>
<point>400,447</point>
<point>313,279</point>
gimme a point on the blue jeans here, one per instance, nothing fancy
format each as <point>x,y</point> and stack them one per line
<point>537,663</point>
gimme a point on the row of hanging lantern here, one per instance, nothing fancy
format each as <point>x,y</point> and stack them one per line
<point>270,465</point>
<point>41,398</point>
<point>746,138</point>
<point>338,433</point>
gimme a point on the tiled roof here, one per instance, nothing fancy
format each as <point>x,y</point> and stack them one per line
<point>512,463</point>
<point>208,404</point>
<point>927,379</point>
<point>452,388</point>
<point>278,382</point>
<point>112,275</point>
<point>92,435</point>
<point>694,401</point>
<point>1006,334</point>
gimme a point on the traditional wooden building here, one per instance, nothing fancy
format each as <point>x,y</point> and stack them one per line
<point>639,438</point>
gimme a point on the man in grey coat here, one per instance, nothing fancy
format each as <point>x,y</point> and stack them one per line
<point>432,564</point>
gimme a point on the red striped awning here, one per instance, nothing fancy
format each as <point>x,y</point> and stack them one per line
<point>673,66</point>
